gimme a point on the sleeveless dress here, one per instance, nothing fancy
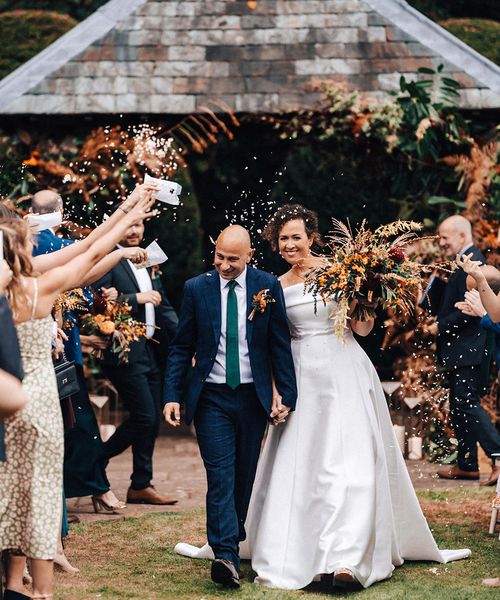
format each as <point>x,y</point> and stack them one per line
<point>31,478</point>
<point>332,489</point>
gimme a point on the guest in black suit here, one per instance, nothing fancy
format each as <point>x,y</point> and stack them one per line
<point>139,381</point>
<point>461,348</point>
<point>12,397</point>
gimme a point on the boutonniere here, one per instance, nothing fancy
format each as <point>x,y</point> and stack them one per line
<point>260,302</point>
<point>155,272</point>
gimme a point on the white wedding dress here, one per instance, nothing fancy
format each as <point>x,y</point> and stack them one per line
<point>332,489</point>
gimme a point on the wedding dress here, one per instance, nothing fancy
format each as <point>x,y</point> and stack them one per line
<point>332,489</point>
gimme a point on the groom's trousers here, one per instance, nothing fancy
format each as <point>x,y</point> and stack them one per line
<point>229,426</point>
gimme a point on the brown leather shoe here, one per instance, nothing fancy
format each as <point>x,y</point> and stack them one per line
<point>456,472</point>
<point>493,478</point>
<point>148,496</point>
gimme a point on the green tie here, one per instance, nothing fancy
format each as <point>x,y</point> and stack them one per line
<point>232,348</point>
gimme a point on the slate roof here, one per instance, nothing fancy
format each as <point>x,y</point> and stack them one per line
<point>171,56</point>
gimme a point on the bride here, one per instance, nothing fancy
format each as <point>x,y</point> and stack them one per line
<point>332,493</point>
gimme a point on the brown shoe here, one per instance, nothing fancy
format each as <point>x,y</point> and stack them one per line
<point>148,496</point>
<point>456,472</point>
<point>493,478</point>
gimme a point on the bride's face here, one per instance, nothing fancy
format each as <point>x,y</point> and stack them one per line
<point>293,242</point>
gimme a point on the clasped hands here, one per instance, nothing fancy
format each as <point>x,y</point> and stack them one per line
<point>279,412</point>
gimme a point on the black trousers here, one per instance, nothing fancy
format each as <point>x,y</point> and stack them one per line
<point>469,419</point>
<point>229,425</point>
<point>139,386</point>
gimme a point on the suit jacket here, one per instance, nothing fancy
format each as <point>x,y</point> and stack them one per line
<point>461,340</point>
<point>10,357</point>
<point>199,333</point>
<point>122,278</point>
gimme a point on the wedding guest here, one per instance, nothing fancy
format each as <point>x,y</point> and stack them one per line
<point>461,347</point>
<point>30,514</point>
<point>490,300</point>
<point>84,470</point>
<point>472,306</point>
<point>139,381</point>
<point>12,397</point>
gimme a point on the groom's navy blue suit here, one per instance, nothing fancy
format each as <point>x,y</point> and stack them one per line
<point>230,423</point>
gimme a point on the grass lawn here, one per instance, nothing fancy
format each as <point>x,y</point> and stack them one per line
<point>134,558</point>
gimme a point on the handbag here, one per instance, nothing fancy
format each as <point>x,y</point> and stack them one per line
<point>67,380</point>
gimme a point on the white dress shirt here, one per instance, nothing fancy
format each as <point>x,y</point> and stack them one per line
<point>218,373</point>
<point>145,285</point>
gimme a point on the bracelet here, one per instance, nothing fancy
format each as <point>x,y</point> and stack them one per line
<point>125,211</point>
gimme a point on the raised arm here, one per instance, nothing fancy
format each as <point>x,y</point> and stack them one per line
<point>136,255</point>
<point>45,262</point>
<point>74,273</point>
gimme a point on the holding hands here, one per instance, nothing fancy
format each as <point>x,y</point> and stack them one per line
<point>279,411</point>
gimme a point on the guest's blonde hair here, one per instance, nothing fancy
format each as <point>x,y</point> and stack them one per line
<point>16,235</point>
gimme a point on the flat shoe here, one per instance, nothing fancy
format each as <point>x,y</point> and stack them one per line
<point>223,571</point>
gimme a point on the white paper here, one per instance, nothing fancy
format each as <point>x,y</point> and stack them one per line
<point>41,222</point>
<point>156,256</point>
<point>169,190</point>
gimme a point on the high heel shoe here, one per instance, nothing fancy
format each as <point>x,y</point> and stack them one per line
<point>100,504</point>
<point>63,563</point>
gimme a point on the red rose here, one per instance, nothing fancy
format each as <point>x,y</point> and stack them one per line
<point>397,255</point>
<point>100,304</point>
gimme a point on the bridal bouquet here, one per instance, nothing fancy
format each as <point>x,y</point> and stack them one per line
<point>369,267</point>
<point>113,321</point>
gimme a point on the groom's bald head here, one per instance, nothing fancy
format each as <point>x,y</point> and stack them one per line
<point>233,251</point>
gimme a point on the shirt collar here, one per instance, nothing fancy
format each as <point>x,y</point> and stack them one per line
<point>240,280</point>
<point>465,248</point>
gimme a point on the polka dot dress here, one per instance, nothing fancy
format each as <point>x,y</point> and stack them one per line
<point>31,477</point>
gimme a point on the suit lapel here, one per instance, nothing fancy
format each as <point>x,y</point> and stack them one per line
<point>251,291</point>
<point>128,270</point>
<point>212,302</point>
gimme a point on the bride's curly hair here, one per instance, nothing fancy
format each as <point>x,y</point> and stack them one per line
<point>16,235</point>
<point>292,212</point>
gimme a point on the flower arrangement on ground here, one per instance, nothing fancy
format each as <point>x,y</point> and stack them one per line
<point>368,268</point>
<point>113,321</point>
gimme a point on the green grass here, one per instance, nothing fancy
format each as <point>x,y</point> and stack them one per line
<point>481,34</point>
<point>134,558</point>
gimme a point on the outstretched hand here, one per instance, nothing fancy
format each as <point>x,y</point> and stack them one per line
<point>471,267</point>
<point>172,413</point>
<point>138,194</point>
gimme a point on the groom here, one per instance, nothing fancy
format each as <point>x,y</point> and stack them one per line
<point>230,392</point>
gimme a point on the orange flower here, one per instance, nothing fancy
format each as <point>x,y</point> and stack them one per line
<point>107,327</point>
<point>33,160</point>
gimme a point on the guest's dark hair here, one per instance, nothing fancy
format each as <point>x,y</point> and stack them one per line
<point>292,212</point>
